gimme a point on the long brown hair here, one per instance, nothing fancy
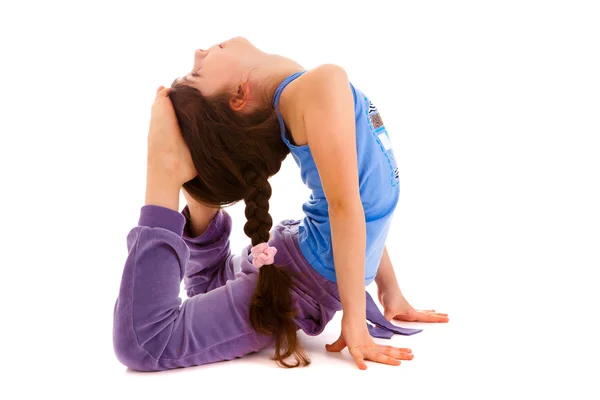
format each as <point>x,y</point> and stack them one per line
<point>235,153</point>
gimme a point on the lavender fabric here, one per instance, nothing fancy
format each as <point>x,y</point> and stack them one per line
<point>154,330</point>
<point>384,329</point>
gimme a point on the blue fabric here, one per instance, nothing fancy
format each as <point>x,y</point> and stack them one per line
<point>379,188</point>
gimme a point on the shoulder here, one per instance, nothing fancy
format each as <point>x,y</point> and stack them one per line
<point>316,88</point>
<point>325,73</point>
<point>320,81</point>
<point>316,82</point>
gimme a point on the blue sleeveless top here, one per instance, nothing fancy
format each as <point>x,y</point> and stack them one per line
<point>379,188</point>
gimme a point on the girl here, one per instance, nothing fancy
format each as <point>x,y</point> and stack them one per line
<point>220,132</point>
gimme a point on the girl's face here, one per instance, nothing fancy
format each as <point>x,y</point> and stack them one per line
<point>222,67</point>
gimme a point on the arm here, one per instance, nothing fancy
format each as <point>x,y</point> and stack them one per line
<point>386,277</point>
<point>329,122</point>
<point>200,215</point>
<point>388,290</point>
<point>395,305</point>
<point>206,234</point>
<point>153,329</point>
<point>328,119</point>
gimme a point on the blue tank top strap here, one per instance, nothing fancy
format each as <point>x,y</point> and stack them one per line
<point>276,98</point>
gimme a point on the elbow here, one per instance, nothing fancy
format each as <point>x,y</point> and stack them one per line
<point>127,355</point>
<point>126,347</point>
<point>131,355</point>
<point>346,207</point>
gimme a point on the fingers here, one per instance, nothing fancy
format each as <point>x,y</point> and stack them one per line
<point>395,352</point>
<point>402,349</point>
<point>431,317</point>
<point>383,359</point>
<point>438,318</point>
<point>162,102</point>
<point>358,357</point>
<point>382,354</point>
<point>338,345</point>
<point>162,91</point>
<point>422,316</point>
<point>432,312</point>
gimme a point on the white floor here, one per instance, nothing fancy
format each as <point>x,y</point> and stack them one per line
<point>471,357</point>
<point>458,360</point>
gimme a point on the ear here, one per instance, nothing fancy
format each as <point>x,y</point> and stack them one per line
<point>241,98</point>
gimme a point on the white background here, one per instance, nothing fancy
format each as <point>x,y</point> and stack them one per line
<point>493,109</point>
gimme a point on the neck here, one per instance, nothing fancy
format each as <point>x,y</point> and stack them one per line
<point>274,71</point>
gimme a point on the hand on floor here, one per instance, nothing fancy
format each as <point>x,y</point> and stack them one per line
<point>361,346</point>
<point>396,307</point>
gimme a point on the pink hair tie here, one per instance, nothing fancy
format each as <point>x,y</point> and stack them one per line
<point>263,254</point>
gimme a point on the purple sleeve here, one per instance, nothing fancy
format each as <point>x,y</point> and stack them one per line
<point>209,265</point>
<point>150,285</point>
<point>153,329</point>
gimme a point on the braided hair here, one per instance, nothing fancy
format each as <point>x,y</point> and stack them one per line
<point>271,310</point>
<point>234,155</point>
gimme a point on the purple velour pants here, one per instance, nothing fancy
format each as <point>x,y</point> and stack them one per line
<point>154,330</point>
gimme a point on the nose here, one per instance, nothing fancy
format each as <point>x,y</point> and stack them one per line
<point>199,55</point>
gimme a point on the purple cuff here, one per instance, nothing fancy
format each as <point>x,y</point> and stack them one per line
<point>220,225</point>
<point>154,216</point>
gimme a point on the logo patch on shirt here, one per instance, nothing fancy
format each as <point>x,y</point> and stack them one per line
<point>383,138</point>
<point>374,116</point>
<point>376,120</point>
<point>372,108</point>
